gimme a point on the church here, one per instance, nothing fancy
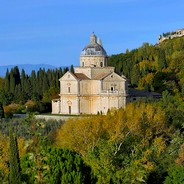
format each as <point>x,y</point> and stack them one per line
<point>94,87</point>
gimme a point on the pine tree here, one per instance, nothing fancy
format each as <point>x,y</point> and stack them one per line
<point>15,170</point>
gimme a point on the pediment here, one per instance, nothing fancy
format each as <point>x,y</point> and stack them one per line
<point>114,77</point>
<point>68,76</point>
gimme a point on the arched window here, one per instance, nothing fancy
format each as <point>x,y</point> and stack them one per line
<point>69,107</point>
<point>69,87</point>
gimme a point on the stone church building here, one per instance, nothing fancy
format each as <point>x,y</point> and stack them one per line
<point>93,87</point>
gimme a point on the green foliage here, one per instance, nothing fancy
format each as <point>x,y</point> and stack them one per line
<point>125,146</point>
<point>3,178</point>
<point>57,166</point>
<point>1,111</point>
<point>138,144</point>
<point>19,88</point>
<point>174,109</point>
<point>45,164</point>
<point>175,175</point>
<point>72,69</point>
<point>15,170</point>
<point>22,127</point>
<point>165,61</point>
<point>132,145</point>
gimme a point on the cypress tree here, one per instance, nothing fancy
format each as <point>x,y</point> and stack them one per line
<point>34,84</point>
<point>12,82</point>
<point>1,111</point>
<point>60,72</point>
<point>65,70</point>
<point>45,86</point>
<point>23,78</point>
<point>16,75</point>
<point>7,81</point>
<point>15,170</point>
<point>72,69</point>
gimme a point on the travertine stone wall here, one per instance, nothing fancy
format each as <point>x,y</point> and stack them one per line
<point>56,106</point>
<point>93,61</point>
<point>114,82</point>
<point>90,87</point>
<point>69,84</point>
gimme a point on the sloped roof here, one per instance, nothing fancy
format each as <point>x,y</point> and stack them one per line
<point>101,76</point>
<point>68,72</point>
<point>142,93</point>
<point>81,76</point>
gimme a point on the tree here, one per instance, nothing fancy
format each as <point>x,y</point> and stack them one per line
<point>1,111</point>
<point>57,166</point>
<point>175,175</point>
<point>161,60</point>
<point>7,81</point>
<point>15,170</point>
<point>4,151</point>
<point>12,82</point>
<point>135,75</point>
<point>71,69</point>
<point>81,135</point>
<point>122,147</point>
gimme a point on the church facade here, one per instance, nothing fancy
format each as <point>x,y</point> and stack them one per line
<point>94,87</point>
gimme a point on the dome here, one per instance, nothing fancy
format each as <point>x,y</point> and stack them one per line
<point>94,48</point>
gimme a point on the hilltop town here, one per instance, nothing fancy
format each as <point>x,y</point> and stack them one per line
<point>171,35</point>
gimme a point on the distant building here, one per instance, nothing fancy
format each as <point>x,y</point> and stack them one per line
<point>137,95</point>
<point>94,87</point>
<point>170,35</point>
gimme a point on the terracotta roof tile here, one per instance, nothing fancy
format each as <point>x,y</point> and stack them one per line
<point>81,76</point>
<point>101,76</point>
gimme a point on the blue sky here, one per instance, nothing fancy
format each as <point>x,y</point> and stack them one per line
<point>55,31</point>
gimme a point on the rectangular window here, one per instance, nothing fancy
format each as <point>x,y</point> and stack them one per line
<point>70,109</point>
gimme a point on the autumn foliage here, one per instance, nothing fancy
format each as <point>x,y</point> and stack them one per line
<point>137,133</point>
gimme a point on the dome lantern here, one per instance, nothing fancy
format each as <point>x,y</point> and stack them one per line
<point>93,38</point>
<point>93,55</point>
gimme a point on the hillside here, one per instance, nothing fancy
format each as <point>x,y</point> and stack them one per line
<point>143,143</point>
<point>154,67</point>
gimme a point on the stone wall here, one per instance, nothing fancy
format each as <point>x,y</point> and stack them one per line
<point>91,61</point>
<point>56,106</point>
